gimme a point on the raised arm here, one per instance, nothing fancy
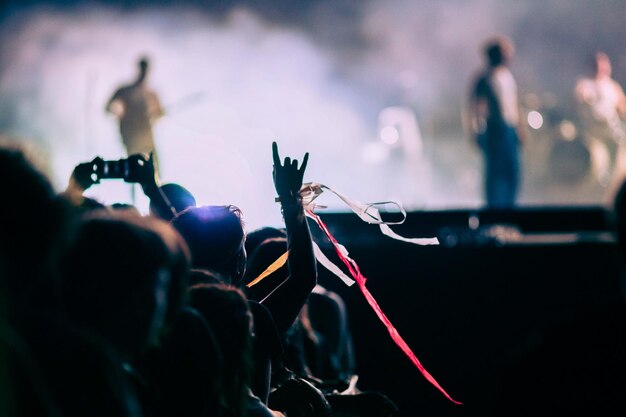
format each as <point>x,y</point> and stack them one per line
<point>155,108</point>
<point>143,172</point>
<point>115,105</point>
<point>621,101</point>
<point>286,301</point>
<point>80,180</point>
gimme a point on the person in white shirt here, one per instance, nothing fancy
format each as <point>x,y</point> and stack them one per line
<point>602,108</point>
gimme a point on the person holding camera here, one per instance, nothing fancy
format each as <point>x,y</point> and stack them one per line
<point>136,169</point>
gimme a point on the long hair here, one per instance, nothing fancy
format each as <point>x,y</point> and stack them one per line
<point>262,257</point>
<point>118,260</point>
<point>36,226</point>
<point>226,310</point>
<point>215,236</point>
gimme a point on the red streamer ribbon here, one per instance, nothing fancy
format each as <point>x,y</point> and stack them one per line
<point>354,270</point>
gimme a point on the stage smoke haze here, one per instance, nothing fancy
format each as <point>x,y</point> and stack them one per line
<point>316,81</point>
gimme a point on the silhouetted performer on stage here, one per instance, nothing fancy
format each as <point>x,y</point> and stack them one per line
<point>495,121</point>
<point>602,108</point>
<point>137,107</point>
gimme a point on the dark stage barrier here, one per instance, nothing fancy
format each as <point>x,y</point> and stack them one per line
<point>470,308</point>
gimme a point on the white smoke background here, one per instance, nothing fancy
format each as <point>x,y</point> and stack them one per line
<point>232,84</point>
<point>229,89</point>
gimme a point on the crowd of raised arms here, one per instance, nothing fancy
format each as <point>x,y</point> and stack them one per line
<point>110,312</point>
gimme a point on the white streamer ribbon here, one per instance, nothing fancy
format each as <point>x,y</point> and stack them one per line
<point>366,212</point>
<point>328,264</point>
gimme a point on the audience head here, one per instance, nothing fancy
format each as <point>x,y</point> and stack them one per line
<point>254,267</point>
<point>88,204</point>
<point>263,256</point>
<point>215,236</point>
<point>120,274</point>
<point>126,207</point>
<point>203,276</point>
<point>34,229</point>
<point>226,310</point>
<point>257,236</point>
<point>498,51</point>
<point>179,197</point>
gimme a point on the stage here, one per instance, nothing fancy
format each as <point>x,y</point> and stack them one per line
<point>471,309</point>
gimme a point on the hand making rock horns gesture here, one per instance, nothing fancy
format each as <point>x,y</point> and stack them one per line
<point>288,177</point>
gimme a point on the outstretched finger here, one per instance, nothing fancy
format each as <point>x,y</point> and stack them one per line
<point>304,162</point>
<point>275,154</point>
<point>151,159</point>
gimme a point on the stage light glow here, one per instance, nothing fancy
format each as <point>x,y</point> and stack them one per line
<point>375,153</point>
<point>535,120</point>
<point>473,222</point>
<point>568,130</point>
<point>234,81</point>
<point>389,135</point>
<point>228,91</point>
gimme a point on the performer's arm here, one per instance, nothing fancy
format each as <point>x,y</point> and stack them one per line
<point>522,131</point>
<point>580,91</point>
<point>156,109</point>
<point>522,126</point>
<point>621,101</point>
<point>477,112</point>
<point>115,105</point>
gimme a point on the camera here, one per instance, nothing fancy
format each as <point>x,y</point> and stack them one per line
<point>126,169</point>
<point>112,169</point>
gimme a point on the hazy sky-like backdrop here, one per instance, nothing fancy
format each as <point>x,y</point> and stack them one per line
<point>313,75</point>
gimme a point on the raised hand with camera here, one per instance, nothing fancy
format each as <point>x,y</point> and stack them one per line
<point>143,172</point>
<point>134,169</point>
<point>83,176</point>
